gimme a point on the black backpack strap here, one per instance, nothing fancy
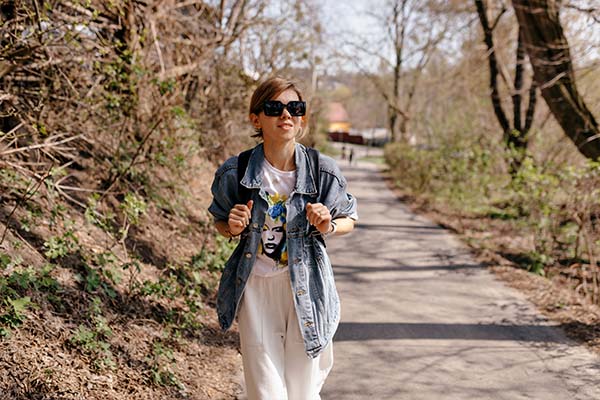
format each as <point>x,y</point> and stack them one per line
<point>313,156</point>
<point>242,165</point>
<point>244,193</point>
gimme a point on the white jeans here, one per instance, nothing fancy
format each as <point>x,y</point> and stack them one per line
<point>276,366</point>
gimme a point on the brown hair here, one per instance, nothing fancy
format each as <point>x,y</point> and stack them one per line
<point>267,90</point>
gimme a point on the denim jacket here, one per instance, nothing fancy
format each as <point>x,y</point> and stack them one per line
<point>315,296</point>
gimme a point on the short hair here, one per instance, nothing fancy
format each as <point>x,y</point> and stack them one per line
<point>267,90</point>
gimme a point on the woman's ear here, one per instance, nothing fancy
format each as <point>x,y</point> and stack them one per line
<point>255,120</point>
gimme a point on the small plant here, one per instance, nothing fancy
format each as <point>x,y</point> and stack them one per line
<point>213,261</point>
<point>93,216</point>
<point>18,286</point>
<point>5,261</point>
<point>538,263</point>
<point>161,361</point>
<point>60,246</point>
<point>133,207</point>
<point>94,280</point>
<point>14,316</point>
<point>93,340</point>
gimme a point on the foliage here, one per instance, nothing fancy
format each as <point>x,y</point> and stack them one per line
<point>60,246</point>
<point>17,289</point>
<point>161,361</point>
<point>188,282</point>
<point>92,338</point>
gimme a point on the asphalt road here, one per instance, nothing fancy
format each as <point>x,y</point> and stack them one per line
<point>422,320</point>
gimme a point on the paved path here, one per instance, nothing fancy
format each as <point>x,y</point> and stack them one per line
<point>422,320</point>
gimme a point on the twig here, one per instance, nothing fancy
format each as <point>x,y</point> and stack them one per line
<point>23,199</point>
<point>39,146</point>
<point>137,153</point>
<point>157,46</point>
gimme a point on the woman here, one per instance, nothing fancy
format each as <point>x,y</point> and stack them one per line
<point>285,301</point>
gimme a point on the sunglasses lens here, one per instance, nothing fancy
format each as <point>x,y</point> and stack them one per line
<point>296,108</point>
<point>273,108</point>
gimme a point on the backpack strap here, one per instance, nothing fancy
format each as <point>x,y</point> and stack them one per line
<point>313,156</point>
<point>242,164</point>
<point>244,194</point>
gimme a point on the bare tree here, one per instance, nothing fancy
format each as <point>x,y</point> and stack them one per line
<point>549,52</point>
<point>515,135</point>
<point>411,37</point>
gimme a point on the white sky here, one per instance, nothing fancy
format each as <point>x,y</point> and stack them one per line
<point>347,18</point>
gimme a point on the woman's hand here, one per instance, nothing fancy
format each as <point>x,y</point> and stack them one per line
<point>239,218</point>
<point>319,216</point>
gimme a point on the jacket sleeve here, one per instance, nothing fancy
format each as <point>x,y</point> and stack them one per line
<point>224,190</point>
<point>334,194</point>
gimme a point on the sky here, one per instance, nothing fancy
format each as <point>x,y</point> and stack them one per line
<point>344,19</point>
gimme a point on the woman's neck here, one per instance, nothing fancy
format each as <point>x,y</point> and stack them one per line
<point>281,156</point>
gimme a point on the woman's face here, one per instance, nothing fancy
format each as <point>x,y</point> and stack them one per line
<point>272,235</point>
<point>283,128</point>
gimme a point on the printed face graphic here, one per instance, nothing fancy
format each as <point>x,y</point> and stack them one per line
<point>272,235</point>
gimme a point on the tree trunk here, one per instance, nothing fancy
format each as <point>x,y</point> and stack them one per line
<point>550,57</point>
<point>515,136</point>
<point>393,117</point>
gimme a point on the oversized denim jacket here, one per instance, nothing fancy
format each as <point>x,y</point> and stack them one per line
<point>315,296</point>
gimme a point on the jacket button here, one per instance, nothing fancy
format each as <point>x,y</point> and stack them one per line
<point>238,281</point>
<point>248,255</point>
<point>300,292</point>
<point>255,225</point>
<point>308,324</point>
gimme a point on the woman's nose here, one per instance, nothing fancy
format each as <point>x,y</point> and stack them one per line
<point>286,114</point>
<point>271,237</point>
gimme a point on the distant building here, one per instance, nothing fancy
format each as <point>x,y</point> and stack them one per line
<point>339,122</point>
<point>373,136</point>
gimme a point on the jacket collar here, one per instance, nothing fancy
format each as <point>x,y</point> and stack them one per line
<point>305,181</point>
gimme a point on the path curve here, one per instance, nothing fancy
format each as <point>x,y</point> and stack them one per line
<point>422,320</point>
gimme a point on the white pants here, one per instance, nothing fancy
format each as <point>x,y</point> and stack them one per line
<point>276,366</point>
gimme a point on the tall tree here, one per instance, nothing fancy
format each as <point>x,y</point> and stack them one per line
<point>516,134</point>
<point>411,36</point>
<point>550,56</point>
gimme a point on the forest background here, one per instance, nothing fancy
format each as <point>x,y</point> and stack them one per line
<point>114,116</point>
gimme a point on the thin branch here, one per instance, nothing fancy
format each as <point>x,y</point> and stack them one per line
<point>493,64</point>
<point>519,71</point>
<point>40,146</point>
<point>157,46</point>
<point>135,156</point>
<point>531,107</point>
<point>28,195</point>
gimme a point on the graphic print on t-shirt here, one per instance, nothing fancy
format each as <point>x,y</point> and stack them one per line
<point>274,243</point>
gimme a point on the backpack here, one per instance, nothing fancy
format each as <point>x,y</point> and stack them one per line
<point>242,165</point>
<point>244,193</point>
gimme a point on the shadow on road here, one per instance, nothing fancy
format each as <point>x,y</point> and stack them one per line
<point>362,226</point>
<point>359,331</point>
<point>342,270</point>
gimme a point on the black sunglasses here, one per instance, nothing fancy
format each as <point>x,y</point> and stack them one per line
<point>274,108</point>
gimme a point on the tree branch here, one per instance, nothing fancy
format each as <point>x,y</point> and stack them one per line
<point>493,64</point>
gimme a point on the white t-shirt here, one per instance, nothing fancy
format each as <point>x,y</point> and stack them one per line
<point>272,251</point>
